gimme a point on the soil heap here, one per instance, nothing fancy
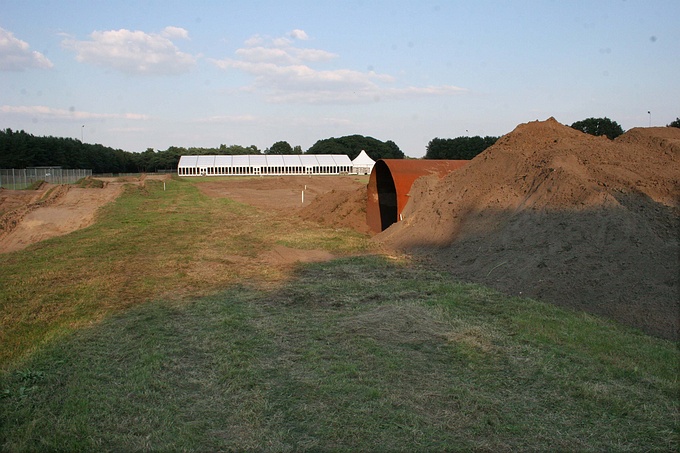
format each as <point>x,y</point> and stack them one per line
<point>552,213</point>
<point>340,209</point>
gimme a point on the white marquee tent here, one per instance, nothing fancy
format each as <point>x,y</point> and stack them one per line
<point>261,164</point>
<point>363,164</point>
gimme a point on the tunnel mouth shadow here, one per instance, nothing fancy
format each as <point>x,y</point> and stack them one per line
<point>387,195</point>
<point>390,183</point>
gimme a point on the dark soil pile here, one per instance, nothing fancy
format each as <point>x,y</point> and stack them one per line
<point>551,213</point>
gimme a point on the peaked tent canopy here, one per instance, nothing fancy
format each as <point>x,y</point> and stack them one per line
<point>363,164</point>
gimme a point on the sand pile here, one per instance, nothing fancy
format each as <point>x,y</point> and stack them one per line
<point>339,208</point>
<point>566,217</point>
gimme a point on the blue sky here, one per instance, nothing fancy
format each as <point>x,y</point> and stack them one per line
<point>153,74</point>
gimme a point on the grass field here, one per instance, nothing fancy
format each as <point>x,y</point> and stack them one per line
<point>158,328</point>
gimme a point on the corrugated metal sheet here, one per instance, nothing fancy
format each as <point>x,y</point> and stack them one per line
<point>390,183</point>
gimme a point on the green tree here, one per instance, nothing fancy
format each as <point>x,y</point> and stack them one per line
<point>675,123</point>
<point>147,160</point>
<point>460,148</point>
<point>599,126</point>
<point>238,149</point>
<point>280,148</point>
<point>352,145</point>
<point>21,150</point>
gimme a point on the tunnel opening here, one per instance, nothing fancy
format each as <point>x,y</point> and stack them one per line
<point>389,185</point>
<point>387,195</point>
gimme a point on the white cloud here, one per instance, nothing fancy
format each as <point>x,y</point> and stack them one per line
<point>225,119</point>
<point>175,32</point>
<point>15,54</point>
<point>298,34</point>
<point>254,41</point>
<point>283,73</point>
<point>134,52</point>
<point>41,111</point>
<point>281,50</point>
<point>284,56</point>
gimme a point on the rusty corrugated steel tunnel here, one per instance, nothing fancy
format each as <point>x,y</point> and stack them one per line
<point>390,183</point>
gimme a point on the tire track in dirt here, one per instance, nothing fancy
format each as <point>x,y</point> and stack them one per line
<point>54,211</point>
<point>12,219</point>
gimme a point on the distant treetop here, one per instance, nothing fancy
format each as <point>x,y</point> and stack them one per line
<point>460,148</point>
<point>281,147</point>
<point>599,126</point>
<point>352,145</point>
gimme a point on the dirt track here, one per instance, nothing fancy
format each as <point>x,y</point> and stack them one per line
<point>28,217</point>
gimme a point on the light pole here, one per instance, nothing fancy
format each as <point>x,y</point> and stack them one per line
<point>650,117</point>
<point>82,128</point>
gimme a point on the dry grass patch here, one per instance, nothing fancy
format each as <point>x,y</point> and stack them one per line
<point>406,323</point>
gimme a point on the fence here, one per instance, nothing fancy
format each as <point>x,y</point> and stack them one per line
<point>21,178</point>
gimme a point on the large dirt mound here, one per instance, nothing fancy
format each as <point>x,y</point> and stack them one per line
<point>559,215</point>
<point>339,208</point>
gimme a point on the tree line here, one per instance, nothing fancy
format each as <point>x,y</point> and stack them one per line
<point>460,148</point>
<point>19,149</point>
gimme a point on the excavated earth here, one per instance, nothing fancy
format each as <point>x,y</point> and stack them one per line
<point>551,213</point>
<point>31,216</point>
<point>548,212</point>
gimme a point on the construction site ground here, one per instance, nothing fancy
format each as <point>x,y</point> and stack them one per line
<point>548,212</point>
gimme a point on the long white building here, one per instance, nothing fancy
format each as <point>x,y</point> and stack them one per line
<point>265,164</point>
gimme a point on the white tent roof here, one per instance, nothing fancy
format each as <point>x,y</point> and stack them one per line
<point>267,160</point>
<point>362,160</point>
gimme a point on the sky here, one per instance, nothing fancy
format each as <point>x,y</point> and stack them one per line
<point>141,74</point>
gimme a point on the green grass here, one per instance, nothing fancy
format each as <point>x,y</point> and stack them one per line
<point>359,353</point>
<point>89,183</point>
<point>151,242</point>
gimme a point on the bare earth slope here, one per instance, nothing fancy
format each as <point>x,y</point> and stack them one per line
<point>552,213</point>
<point>27,217</point>
<point>340,208</point>
<point>339,201</point>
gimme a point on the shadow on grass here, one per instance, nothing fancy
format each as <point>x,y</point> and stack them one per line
<point>359,354</point>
